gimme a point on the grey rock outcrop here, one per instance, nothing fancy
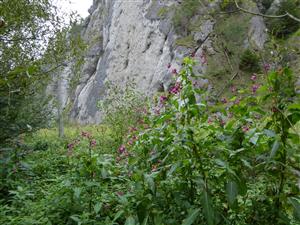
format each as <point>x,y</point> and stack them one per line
<point>131,40</point>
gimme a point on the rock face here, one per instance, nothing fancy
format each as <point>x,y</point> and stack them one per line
<point>130,40</point>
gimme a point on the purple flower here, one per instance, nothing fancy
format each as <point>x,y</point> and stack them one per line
<point>122,149</point>
<point>233,89</point>
<point>176,88</point>
<point>169,66</point>
<point>254,88</point>
<point>237,101</point>
<point>224,100</point>
<point>174,71</point>
<point>253,77</point>
<point>93,143</point>
<point>267,67</point>
<point>245,129</point>
<point>162,99</point>
<point>70,146</point>
<point>86,134</point>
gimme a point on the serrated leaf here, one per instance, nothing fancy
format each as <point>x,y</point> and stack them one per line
<point>191,217</point>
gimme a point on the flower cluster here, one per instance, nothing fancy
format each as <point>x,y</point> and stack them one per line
<point>176,88</point>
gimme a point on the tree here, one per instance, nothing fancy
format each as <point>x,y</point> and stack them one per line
<point>26,29</point>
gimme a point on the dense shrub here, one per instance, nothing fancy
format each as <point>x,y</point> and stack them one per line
<point>187,162</point>
<point>283,27</point>
<point>249,61</point>
<point>121,108</point>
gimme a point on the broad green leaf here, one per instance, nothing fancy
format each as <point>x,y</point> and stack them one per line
<point>173,168</point>
<point>118,215</point>
<point>231,191</point>
<point>275,148</point>
<point>97,207</point>
<point>296,205</point>
<point>191,217</point>
<point>207,207</point>
<point>150,182</point>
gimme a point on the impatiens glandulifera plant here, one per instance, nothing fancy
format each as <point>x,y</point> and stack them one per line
<point>232,162</point>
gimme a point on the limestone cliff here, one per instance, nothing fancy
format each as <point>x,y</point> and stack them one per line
<point>136,39</point>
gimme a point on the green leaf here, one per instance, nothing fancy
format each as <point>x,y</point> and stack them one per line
<point>173,168</point>
<point>231,191</point>
<point>269,133</point>
<point>150,182</point>
<point>296,205</point>
<point>275,148</point>
<point>118,215</point>
<point>207,207</point>
<point>130,221</point>
<point>97,207</point>
<point>191,217</point>
<point>77,192</point>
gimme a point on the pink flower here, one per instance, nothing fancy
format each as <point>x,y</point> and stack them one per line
<point>176,88</point>
<point>122,149</point>
<point>157,111</point>
<point>267,67</point>
<point>70,146</point>
<point>209,121</point>
<point>193,54</point>
<point>132,129</point>
<point>253,77</point>
<point>224,100</point>
<point>174,71</point>
<point>237,101</point>
<point>254,88</point>
<point>93,143</point>
<point>245,129</point>
<point>169,65</point>
<point>86,134</point>
<point>233,89</point>
<point>162,99</point>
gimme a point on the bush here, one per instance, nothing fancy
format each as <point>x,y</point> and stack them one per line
<point>249,62</point>
<point>121,108</point>
<point>283,27</point>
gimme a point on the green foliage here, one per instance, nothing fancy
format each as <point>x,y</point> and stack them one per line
<point>249,62</point>
<point>121,109</point>
<point>187,162</point>
<point>283,27</point>
<point>29,26</point>
<point>184,13</point>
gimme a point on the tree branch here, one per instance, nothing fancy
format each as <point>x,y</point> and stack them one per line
<point>287,14</point>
